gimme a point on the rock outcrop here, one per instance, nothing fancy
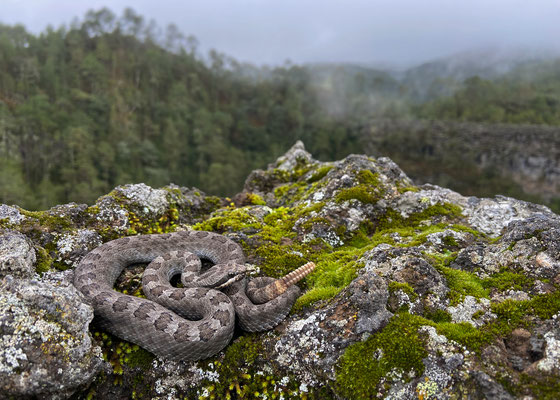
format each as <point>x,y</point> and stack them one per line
<point>419,292</point>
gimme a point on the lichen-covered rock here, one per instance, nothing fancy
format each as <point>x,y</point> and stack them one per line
<point>46,348</point>
<point>17,255</point>
<point>138,208</point>
<point>529,246</point>
<point>419,292</point>
<point>143,199</point>
<point>73,246</point>
<point>310,346</point>
<point>10,215</point>
<point>295,156</point>
<point>491,216</point>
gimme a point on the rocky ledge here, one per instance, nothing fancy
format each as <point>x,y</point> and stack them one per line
<point>419,292</point>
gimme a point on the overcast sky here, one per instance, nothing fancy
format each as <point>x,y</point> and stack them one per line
<point>393,32</point>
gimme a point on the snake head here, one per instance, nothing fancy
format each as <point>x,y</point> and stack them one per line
<point>231,273</point>
<point>217,276</point>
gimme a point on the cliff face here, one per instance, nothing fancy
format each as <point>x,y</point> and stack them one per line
<point>419,292</point>
<point>520,159</point>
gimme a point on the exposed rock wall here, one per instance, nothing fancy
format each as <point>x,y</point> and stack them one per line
<point>527,154</point>
<point>419,292</point>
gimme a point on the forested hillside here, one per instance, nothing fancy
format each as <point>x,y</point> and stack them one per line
<point>106,102</point>
<point>113,100</point>
<point>530,94</point>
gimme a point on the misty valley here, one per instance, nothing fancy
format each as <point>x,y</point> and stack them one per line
<point>109,101</point>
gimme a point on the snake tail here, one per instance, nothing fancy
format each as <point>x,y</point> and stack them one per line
<point>279,286</point>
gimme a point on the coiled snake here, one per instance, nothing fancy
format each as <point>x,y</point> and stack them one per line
<point>189,323</point>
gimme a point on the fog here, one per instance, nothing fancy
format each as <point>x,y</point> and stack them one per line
<point>396,33</point>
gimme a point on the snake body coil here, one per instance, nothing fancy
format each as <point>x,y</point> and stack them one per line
<point>188,323</point>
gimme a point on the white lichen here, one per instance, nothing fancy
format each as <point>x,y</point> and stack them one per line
<point>551,360</point>
<point>464,311</point>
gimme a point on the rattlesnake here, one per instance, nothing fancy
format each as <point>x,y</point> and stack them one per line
<point>189,323</point>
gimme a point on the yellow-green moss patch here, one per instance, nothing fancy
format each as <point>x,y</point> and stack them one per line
<point>396,350</point>
<point>320,173</point>
<point>460,283</point>
<point>230,220</point>
<point>44,260</point>
<point>404,287</point>
<point>368,190</point>
<point>51,222</point>
<point>255,199</point>
<point>164,224</point>
<point>506,280</point>
<point>240,378</point>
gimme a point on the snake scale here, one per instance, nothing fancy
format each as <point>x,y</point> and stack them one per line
<point>189,323</point>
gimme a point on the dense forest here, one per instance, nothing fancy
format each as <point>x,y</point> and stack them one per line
<point>113,100</point>
<point>527,95</point>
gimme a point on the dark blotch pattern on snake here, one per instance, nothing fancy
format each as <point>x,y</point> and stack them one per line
<point>189,323</point>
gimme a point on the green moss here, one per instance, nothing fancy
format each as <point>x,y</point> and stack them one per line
<point>419,235</point>
<point>460,283</point>
<point>139,358</point>
<point>212,202</point>
<point>463,228</point>
<point>308,225</point>
<point>544,306</point>
<point>44,260</point>
<point>415,228</point>
<point>92,210</point>
<point>359,240</point>
<point>320,173</point>
<point>505,280</point>
<point>164,224</point>
<point>478,314</point>
<point>46,220</point>
<point>366,177</point>
<point>541,387</point>
<point>335,270</point>
<point>360,193</point>
<point>290,192</point>
<point>438,315</point>
<point>367,191</point>
<point>395,350</point>
<point>512,314</point>
<point>278,225</point>
<point>465,334</point>
<point>61,266</point>
<point>255,199</point>
<point>315,295</point>
<point>449,241</point>
<point>393,219</point>
<point>404,287</point>
<point>279,260</point>
<point>404,189</point>
<point>174,192</point>
<point>229,220</point>
<point>239,378</point>
<point>122,355</point>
